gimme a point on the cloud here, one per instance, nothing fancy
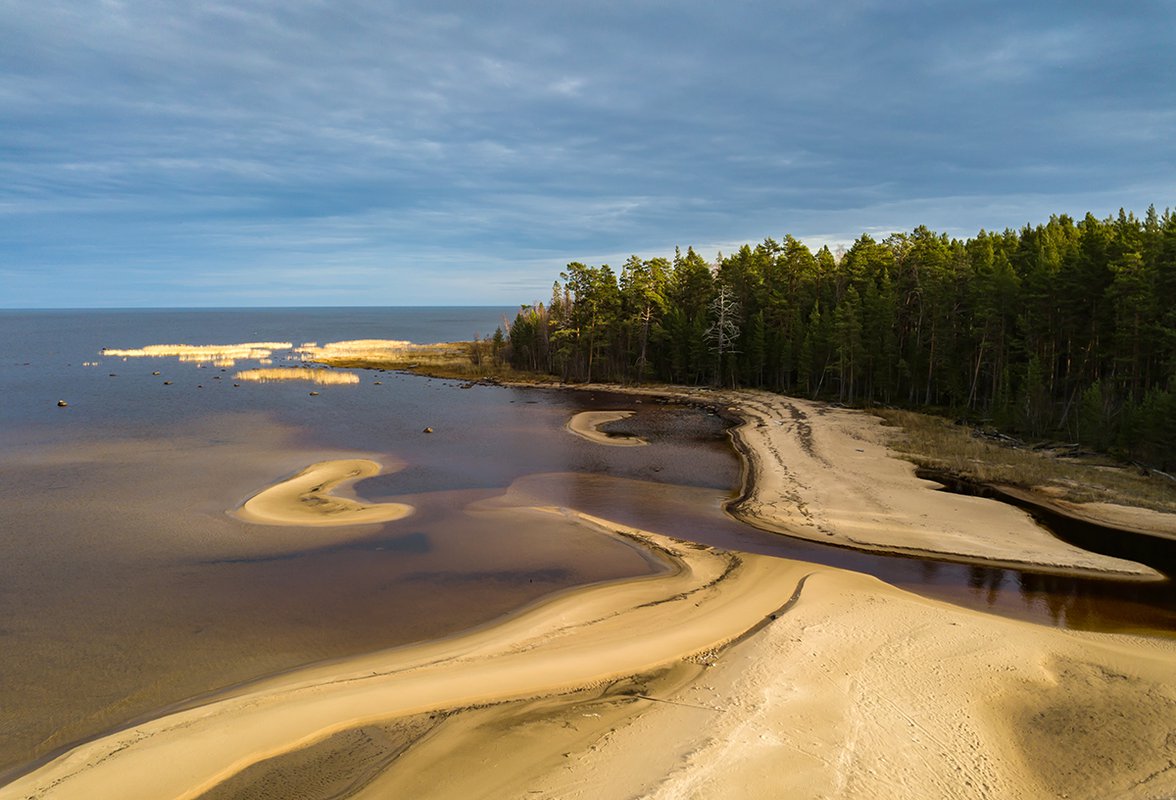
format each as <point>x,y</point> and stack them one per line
<point>158,143</point>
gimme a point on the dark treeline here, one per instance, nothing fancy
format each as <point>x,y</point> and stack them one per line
<point>1059,329</point>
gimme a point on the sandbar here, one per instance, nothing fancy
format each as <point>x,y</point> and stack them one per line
<point>588,637</point>
<point>586,425</point>
<point>309,498</point>
<point>826,474</point>
<point>721,675</point>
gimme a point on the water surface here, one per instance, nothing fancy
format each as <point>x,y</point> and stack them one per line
<point>125,586</point>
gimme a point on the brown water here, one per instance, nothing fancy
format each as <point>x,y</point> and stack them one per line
<point>125,588</point>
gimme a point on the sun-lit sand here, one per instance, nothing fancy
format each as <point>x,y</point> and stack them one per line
<point>308,498</point>
<point>587,637</point>
<point>322,377</point>
<point>587,424</point>
<point>723,675</point>
<point>826,474</point>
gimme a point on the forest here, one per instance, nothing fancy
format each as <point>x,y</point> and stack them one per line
<point>1063,329</point>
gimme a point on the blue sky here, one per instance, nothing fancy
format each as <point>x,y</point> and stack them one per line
<point>356,152</point>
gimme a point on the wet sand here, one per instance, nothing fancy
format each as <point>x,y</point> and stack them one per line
<point>587,637</point>
<point>587,424</point>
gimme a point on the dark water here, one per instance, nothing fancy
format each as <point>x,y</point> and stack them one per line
<point>125,586</point>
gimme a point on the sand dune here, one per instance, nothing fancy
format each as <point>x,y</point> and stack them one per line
<point>825,474</point>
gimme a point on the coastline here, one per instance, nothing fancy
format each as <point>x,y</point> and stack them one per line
<point>584,638</point>
<point>794,679</point>
<point>827,475</point>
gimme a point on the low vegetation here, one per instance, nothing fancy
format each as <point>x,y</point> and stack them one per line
<point>321,377</point>
<point>963,451</point>
<point>481,359</point>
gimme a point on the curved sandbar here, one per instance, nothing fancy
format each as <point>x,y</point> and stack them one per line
<point>307,499</point>
<point>702,599</point>
<point>826,474</point>
<point>587,424</point>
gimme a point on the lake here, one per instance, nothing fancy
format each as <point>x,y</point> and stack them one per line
<point>126,587</point>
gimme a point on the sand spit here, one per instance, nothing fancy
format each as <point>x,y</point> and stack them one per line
<point>322,377</point>
<point>307,499</point>
<point>587,424</point>
<point>588,637</point>
<point>825,474</point>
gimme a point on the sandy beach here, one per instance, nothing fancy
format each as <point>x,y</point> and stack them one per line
<point>826,474</point>
<point>720,675</point>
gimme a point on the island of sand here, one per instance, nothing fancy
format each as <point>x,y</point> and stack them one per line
<point>310,498</point>
<point>586,425</point>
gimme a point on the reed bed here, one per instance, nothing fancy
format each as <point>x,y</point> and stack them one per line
<point>443,359</point>
<point>322,377</point>
<point>202,353</point>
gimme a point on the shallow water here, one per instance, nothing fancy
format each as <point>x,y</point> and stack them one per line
<point>125,586</point>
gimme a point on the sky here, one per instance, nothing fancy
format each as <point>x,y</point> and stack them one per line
<point>375,152</point>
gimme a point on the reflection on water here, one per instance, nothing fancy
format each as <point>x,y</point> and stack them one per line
<point>696,513</point>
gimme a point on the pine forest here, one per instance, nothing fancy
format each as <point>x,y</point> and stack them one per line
<point>1060,329</point>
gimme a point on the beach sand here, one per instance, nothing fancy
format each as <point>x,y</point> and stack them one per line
<point>587,424</point>
<point>309,499</point>
<point>826,474</point>
<point>722,675</point>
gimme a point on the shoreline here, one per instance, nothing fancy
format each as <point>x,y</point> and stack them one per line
<point>775,441</point>
<point>829,683</point>
<point>583,638</point>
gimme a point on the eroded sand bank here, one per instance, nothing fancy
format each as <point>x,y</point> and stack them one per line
<point>586,425</point>
<point>309,498</point>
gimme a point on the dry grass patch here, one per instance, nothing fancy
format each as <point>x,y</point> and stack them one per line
<point>322,377</point>
<point>221,355</point>
<point>936,443</point>
<point>456,360</point>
